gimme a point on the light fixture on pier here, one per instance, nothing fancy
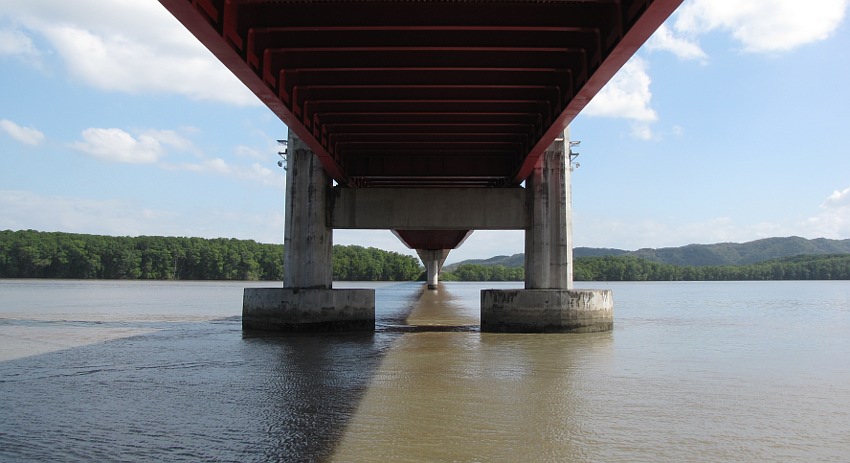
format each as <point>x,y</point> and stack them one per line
<point>573,155</point>
<point>283,154</point>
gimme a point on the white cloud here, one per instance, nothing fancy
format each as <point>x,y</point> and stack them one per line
<point>259,173</point>
<point>21,210</point>
<point>28,210</point>
<point>642,131</point>
<point>16,43</point>
<point>116,145</point>
<point>627,96</point>
<point>838,199</point>
<point>764,26</point>
<point>130,46</point>
<point>26,135</point>
<point>833,220</point>
<point>154,146</point>
<point>251,153</point>
<point>683,47</point>
<point>255,173</point>
<point>833,226</point>
<point>169,138</point>
<point>604,232</point>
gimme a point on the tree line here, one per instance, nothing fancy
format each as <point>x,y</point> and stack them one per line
<point>630,268</point>
<point>34,254</point>
<point>356,263</point>
<point>478,272</point>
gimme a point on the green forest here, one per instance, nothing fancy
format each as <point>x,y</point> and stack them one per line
<point>33,254</point>
<point>630,268</point>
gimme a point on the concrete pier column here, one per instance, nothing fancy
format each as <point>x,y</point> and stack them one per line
<point>548,303</point>
<point>433,259</point>
<point>307,238</point>
<point>548,243</point>
<point>307,301</point>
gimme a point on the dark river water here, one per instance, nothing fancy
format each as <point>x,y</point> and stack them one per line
<point>161,371</point>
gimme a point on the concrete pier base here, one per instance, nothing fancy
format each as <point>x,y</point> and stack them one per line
<point>308,310</point>
<point>547,310</point>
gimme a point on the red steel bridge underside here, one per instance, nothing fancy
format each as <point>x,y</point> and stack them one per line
<point>424,93</point>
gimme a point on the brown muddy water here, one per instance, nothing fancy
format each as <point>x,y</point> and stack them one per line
<point>160,371</point>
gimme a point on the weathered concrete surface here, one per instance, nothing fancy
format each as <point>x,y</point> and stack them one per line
<point>307,238</point>
<point>548,240</point>
<point>547,310</point>
<point>308,310</point>
<point>429,208</point>
<point>433,260</point>
<point>548,303</point>
<point>306,301</point>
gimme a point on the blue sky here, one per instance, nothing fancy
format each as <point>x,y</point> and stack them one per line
<point>731,124</point>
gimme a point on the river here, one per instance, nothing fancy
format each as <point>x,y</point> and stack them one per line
<point>161,371</point>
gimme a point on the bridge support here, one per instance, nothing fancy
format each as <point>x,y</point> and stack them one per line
<point>433,259</point>
<point>307,301</point>
<point>548,303</point>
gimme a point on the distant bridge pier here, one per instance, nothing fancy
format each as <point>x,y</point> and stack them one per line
<point>433,259</point>
<point>307,301</point>
<point>548,303</point>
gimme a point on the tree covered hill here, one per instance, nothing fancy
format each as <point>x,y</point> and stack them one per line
<point>516,260</point>
<point>597,252</point>
<point>699,255</point>
<point>751,252</point>
<point>33,254</point>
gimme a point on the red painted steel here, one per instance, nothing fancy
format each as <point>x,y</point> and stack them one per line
<point>424,93</point>
<point>431,239</point>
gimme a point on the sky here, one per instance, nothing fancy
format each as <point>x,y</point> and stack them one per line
<point>731,124</point>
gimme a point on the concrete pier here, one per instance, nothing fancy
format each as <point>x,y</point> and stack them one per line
<point>548,244</point>
<point>548,303</point>
<point>433,259</point>
<point>308,310</point>
<point>307,238</point>
<point>547,310</point>
<point>307,301</point>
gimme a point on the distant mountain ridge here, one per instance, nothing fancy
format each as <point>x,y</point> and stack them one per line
<point>699,255</point>
<point>744,253</point>
<point>515,260</point>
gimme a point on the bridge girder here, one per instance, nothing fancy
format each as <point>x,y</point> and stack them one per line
<point>426,93</point>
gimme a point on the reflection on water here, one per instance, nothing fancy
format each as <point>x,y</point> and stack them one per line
<point>474,397</point>
<point>460,396</point>
<point>443,308</point>
<point>692,372</point>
